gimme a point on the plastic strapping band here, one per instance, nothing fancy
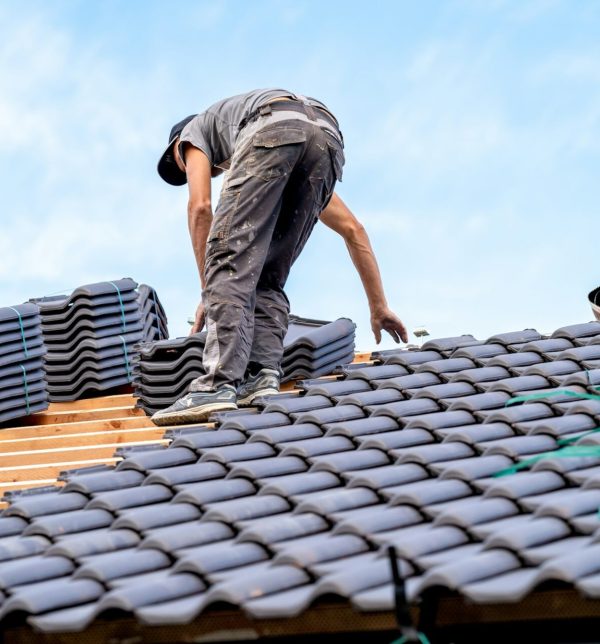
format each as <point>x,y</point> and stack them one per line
<point>26,387</point>
<point>422,638</point>
<point>568,450</point>
<point>573,451</point>
<point>22,331</point>
<point>126,358</point>
<point>550,394</point>
<point>122,306</point>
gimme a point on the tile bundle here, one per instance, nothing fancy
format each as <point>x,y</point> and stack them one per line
<point>314,348</point>
<point>91,335</point>
<point>164,369</point>
<point>23,388</point>
<point>153,314</point>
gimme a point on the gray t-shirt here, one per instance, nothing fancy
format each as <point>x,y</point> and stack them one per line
<point>215,130</point>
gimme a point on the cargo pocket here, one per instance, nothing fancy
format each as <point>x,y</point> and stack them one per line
<point>218,235</point>
<point>337,159</point>
<point>273,152</point>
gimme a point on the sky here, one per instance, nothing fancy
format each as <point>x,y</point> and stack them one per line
<point>472,134</point>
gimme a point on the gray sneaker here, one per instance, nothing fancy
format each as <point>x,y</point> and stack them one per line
<point>196,406</point>
<point>264,383</point>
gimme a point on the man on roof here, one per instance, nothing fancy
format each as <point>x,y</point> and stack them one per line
<point>283,153</point>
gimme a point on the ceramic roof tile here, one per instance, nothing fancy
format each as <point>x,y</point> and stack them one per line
<point>374,397</point>
<point>361,427</point>
<point>332,388</point>
<point>427,492</point>
<point>345,462</point>
<point>377,372</point>
<point>300,483</point>
<point>438,420</point>
<point>283,527</point>
<point>157,515</point>
<point>275,435</point>
<point>329,415</point>
<point>69,522</point>
<point>183,474</point>
<point>268,467</point>
<point>475,434</point>
<point>412,381</point>
<point>309,550</point>
<point>316,446</point>
<point>298,404</point>
<point>387,476</point>
<point>246,508</point>
<point>427,454</point>
<point>404,408</point>
<point>480,353</point>
<point>410,359</point>
<point>205,559</point>
<point>449,344</point>
<point>394,440</point>
<point>143,495</point>
<point>237,453</point>
<point>374,519</point>
<point>447,390</point>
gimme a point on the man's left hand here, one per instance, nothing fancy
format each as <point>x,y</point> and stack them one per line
<point>387,320</point>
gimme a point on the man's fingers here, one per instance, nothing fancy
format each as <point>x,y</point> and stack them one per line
<point>377,334</point>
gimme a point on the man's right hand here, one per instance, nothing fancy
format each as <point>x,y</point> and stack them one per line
<point>200,319</point>
<point>387,320</point>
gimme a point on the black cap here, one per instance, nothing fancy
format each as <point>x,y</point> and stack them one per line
<point>167,168</point>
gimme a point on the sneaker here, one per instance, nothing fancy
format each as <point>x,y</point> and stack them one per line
<point>264,383</point>
<point>196,407</point>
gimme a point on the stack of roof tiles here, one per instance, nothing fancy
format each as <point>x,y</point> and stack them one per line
<point>314,348</point>
<point>153,314</point>
<point>270,511</point>
<point>164,369</point>
<point>91,335</point>
<point>23,389</point>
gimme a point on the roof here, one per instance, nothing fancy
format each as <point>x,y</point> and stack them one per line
<point>276,511</point>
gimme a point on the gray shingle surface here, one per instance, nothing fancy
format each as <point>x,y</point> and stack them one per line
<point>270,511</point>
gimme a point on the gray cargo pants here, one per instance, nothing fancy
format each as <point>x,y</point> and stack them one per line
<point>282,176</point>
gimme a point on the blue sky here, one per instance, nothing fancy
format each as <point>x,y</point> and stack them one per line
<point>472,136</point>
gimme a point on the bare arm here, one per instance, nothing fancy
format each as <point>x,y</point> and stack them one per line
<point>339,218</point>
<point>198,171</point>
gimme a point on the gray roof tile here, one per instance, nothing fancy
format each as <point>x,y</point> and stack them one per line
<point>329,415</point>
<point>268,467</point>
<point>475,434</point>
<point>44,504</point>
<point>122,563</point>
<point>237,453</point>
<point>412,381</point>
<point>15,547</point>
<point>472,511</point>
<point>534,533</point>
<point>437,453</point>
<point>94,542</point>
<point>316,446</point>
<point>54,525</point>
<point>332,388</point>
<point>404,408</point>
<point>207,492</point>
<point>155,516</point>
<point>283,527</point>
<point>361,427</point>
<point>143,495</point>
<point>325,503</point>
<point>29,570</point>
<point>388,475</point>
<point>344,462</point>
<point>298,404</point>
<point>246,508</point>
<point>202,439</point>
<point>448,390</point>
<point>397,439</point>
<point>439,420</point>
<point>276,435</point>
<point>306,551</point>
<point>186,535</point>
<point>293,484</point>
<point>374,519</point>
<point>103,482</point>
<point>205,559</point>
<point>373,397</point>
<point>427,492</point>
<point>449,344</point>
<point>523,484</point>
<point>410,359</point>
<point>183,474</point>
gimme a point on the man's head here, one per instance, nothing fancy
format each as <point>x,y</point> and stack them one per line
<point>168,168</point>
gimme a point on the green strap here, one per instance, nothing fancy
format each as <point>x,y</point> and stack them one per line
<point>123,320</point>
<point>572,451</point>
<point>26,387</point>
<point>126,358</point>
<point>550,394</point>
<point>422,638</point>
<point>569,441</point>
<point>22,331</point>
